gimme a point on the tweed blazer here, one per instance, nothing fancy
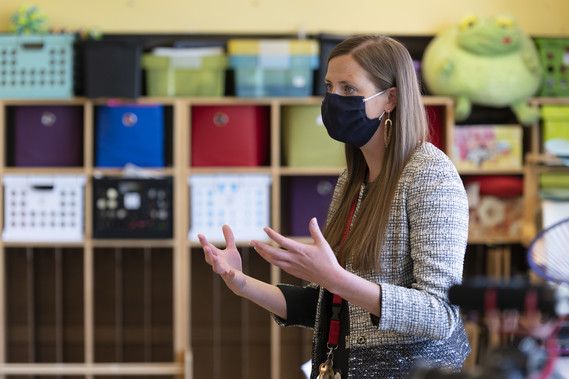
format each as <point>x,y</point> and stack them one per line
<point>422,257</point>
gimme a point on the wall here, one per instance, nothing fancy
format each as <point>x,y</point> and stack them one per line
<point>399,17</point>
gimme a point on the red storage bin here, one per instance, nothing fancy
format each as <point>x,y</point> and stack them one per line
<point>232,135</point>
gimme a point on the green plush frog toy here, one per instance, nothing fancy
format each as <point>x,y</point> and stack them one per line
<point>487,61</point>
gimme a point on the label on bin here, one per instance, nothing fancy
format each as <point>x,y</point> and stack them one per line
<point>186,62</point>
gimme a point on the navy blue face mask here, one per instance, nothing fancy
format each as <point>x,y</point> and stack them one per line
<point>346,120</point>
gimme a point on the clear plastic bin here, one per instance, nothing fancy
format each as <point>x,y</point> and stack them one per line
<point>274,75</point>
<point>185,75</point>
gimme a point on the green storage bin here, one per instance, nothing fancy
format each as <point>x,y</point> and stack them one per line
<point>306,142</point>
<point>554,57</point>
<point>555,121</point>
<point>554,186</point>
<point>554,180</point>
<point>185,76</point>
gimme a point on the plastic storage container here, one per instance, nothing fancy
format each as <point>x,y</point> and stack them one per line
<point>132,208</point>
<point>130,134</point>
<point>36,66</point>
<point>306,142</point>
<point>555,121</point>
<point>112,69</point>
<point>554,56</point>
<point>273,68</point>
<point>241,201</point>
<point>48,136</point>
<point>43,208</point>
<point>185,72</point>
<point>231,135</point>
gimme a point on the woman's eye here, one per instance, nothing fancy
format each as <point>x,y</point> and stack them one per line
<point>349,90</point>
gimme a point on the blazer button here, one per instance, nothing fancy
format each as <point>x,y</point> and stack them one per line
<point>361,340</point>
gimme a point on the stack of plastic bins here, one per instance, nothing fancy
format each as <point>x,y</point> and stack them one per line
<point>198,71</point>
<point>273,67</point>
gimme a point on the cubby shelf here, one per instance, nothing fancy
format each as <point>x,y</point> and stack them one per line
<point>202,332</point>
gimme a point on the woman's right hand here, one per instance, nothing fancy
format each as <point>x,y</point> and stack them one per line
<point>227,263</point>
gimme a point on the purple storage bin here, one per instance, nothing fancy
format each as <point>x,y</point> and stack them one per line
<point>48,136</point>
<point>308,196</point>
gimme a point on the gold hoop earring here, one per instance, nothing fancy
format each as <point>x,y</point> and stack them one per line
<point>387,129</point>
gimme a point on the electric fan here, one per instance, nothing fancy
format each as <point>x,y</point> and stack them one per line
<point>548,254</point>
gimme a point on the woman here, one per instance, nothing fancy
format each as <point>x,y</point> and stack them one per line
<point>394,240</point>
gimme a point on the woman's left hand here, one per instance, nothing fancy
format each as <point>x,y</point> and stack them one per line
<point>315,262</point>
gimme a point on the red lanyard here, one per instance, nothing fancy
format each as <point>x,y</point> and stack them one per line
<point>334,333</point>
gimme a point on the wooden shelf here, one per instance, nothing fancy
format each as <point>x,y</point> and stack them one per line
<point>105,369</point>
<point>493,171</point>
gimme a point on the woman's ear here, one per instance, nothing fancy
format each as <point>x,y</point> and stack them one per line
<point>392,98</point>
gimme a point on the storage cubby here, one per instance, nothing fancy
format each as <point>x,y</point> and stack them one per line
<point>133,305</point>
<point>44,305</point>
<point>231,337</point>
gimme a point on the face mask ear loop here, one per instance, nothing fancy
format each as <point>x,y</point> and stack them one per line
<point>372,96</point>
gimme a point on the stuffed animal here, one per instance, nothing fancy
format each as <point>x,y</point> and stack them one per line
<point>486,61</point>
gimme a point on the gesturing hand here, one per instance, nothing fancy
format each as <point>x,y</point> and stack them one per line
<point>227,263</point>
<point>313,262</point>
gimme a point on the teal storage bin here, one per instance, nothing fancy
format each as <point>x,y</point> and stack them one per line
<point>273,75</point>
<point>36,66</point>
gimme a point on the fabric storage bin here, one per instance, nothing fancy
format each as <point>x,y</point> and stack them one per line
<point>554,57</point>
<point>185,72</point>
<point>435,117</point>
<point>130,134</point>
<point>48,136</point>
<point>306,142</point>
<point>112,69</point>
<point>307,197</point>
<point>266,68</point>
<point>488,146</point>
<point>36,66</point>
<point>132,207</point>
<point>233,135</point>
<point>43,208</point>
<point>241,201</point>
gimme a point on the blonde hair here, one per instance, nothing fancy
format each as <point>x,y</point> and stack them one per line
<point>388,64</point>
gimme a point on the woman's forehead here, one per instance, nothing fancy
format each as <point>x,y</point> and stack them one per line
<point>345,68</point>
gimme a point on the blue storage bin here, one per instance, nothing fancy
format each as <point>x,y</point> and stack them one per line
<point>36,66</point>
<point>273,75</point>
<point>130,134</point>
